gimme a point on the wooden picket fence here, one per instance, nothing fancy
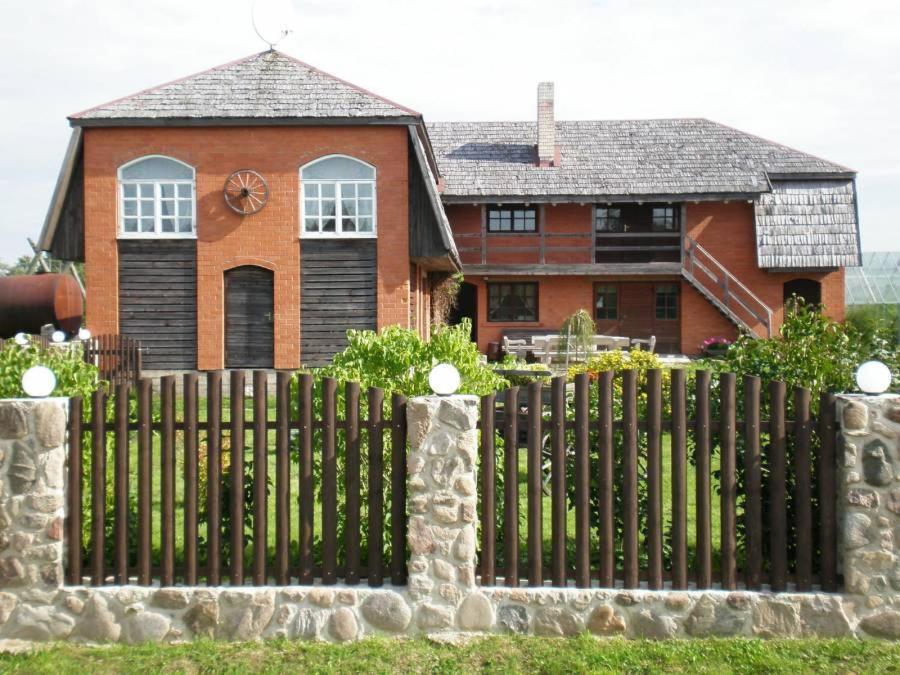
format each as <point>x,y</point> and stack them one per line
<point>118,357</point>
<point>161,439</point>
<point>602,454</point>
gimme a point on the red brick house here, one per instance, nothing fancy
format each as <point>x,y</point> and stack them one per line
<point>250,214</point>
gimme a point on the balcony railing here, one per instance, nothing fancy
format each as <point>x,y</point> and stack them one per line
<point>637,247</point>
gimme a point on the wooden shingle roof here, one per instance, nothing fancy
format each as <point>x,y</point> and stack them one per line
<point>613,158</point>
<point>269,86</point>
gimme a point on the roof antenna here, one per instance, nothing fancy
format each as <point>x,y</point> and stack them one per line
<point>272,43</point>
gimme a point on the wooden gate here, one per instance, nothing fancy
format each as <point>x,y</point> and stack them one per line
<point>249,318</point>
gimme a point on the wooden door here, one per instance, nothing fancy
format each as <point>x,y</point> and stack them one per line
<point>249,318</point>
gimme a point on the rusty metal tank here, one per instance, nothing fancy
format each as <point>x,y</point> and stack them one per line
<point>30,301</point>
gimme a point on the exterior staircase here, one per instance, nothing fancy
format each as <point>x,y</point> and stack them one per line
<point>725,291</point>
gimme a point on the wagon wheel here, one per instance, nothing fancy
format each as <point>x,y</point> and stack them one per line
<point>246,192</point>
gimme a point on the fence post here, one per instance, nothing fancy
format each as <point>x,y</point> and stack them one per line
<point>443,446</point>
<point>32,509</point>
<point>868,499</point>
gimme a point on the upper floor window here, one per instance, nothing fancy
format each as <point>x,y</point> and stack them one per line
<point>338,196</point>
<point>607,219</point>
<point>665,219</point>
<point>157,198</point>
<point>511,219</point>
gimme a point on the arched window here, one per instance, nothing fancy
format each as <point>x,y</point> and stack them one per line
<point>338,198</point>
<point>156,198</point>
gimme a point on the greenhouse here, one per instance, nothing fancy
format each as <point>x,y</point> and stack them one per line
<point>876,282</point>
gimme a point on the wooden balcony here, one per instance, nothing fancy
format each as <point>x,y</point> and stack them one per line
<point>576,253</point>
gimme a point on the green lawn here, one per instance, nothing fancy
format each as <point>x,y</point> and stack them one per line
<point>493,654</point>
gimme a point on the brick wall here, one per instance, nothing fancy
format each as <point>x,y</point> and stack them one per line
<point>269,238</point>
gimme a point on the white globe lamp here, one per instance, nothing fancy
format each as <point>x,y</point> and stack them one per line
<point>873,377</point>
<point>84,334</point>
<point>21,339</point>
<point>444,379</point>
<point>58,336</point>
<point>38,381</point>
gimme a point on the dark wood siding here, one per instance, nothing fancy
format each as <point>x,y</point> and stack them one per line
<point>249,318</point>
<point>337,293</point>
<point>158,300</point>
<point>68,240</point>
<point>425,241</point>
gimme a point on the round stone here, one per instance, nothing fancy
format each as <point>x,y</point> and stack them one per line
<point>557,621</point>
<point>884,624</point>
<point>653,626</point>
<point>475,613</point>
<point>342,625</point>
<point>146,627</point>
<point>464,546</point>
<point>604,621</point>
<point>513,618</point>
<point>97,624</point>
<point>856,416</point>
<point>386,611</point>
<point>432,617</point>
<point>13,422</point>
<point>50,424</point>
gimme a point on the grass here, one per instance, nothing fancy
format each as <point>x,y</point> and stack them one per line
<point>491,654</point>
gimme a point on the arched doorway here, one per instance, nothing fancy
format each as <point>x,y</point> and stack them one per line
<point>249,317</point>
<point>808,290</point>
<point>466,308</point>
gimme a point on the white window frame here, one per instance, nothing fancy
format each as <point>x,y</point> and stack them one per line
<point>157,211</point>
<point>338,223</point>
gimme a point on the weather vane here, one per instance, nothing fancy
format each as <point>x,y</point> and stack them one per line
<point>284,31</point>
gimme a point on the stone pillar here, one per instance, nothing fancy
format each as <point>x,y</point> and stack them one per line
<point>868,456</point>
<point>442,500</point>
<point>32,492</point>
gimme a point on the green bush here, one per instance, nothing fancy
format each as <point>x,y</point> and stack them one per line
<point>812,351</point>
<point>74,377</point>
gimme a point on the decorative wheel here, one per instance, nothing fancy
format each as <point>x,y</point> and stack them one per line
<point>246,192</point>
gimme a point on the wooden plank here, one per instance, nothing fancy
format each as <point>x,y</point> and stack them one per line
<point>351,483</point>
<point>167,479</point>
<point>558,480</point>
<point>249,317</point>
<point>375,524</point>
<point>145,479</point>
<point>679,480</point>
<point>702,448</point>
<point>214,477</point>
<point>282,477</point>
<point>488,490</point>
<point>511,487</point>
<point>329,481</point>
<point>398,489</point>
<point>803,488</point>
<point>236,478</point>
<point>98,486</point>
<point>630,480</point>
<point>74,536</point>
<point>260,475</point>
<point>120,486</point>
<point>827,498</point>
<point>191,478</point>
<point>534,486</point>
<point>728,481</point>
<point>752,484</point>
<point>777,487</point>
<point>654,478</point>
<point>582,477</point>
<point>606,453</point>
<point>305,487</point>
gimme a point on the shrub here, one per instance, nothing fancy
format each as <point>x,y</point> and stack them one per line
<point>74,377</point>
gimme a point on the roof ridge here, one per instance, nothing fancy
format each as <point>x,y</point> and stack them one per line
<point>147,90</point>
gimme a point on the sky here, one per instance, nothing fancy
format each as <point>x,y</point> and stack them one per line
<point>822,76</point>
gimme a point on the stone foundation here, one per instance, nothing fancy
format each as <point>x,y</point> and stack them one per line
<point>442,595</point>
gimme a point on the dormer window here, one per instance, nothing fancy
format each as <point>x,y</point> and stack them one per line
<point>156,198</point>
<point>338,198</point>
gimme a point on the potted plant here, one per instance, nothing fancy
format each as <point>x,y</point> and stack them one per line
<point>715,347</point>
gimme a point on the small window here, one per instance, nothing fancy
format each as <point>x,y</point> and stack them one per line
<point>667,301</point>
<point>338,198</point>
<point>511,219</point>
<point>513,302</point>
<point>664,219</point>
<point>606,302</point>
<point>607,219</point>
<point>156,198</point>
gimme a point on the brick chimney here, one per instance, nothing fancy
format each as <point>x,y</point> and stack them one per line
<point>546,126</point>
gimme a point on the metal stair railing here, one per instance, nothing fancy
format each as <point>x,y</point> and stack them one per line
<point>724,289</point>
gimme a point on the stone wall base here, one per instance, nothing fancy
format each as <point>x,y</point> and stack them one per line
<point>134,614</point>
